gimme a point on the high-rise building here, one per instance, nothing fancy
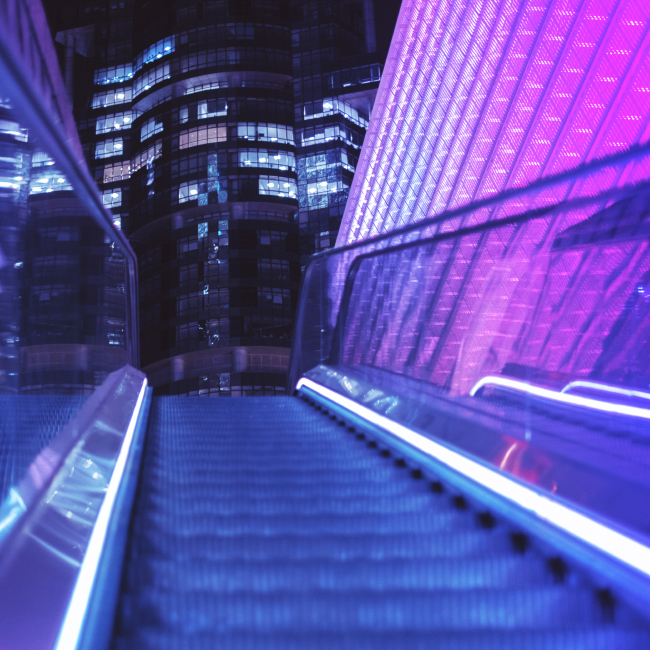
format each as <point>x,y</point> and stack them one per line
<point>224,137</point>
<point>336,73</point>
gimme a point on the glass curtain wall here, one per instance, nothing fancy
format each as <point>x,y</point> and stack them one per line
<point>65,309</point>
<point>337,72</point>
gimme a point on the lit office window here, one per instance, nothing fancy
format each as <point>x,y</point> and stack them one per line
<point>328,133</point>
<point>264,132</point>
<point>283,160</point>
<point>46,179</point>
<point>277,186</point>
<point>114,122</point>
<point>211,108</point>
<point>332,105</point>
<point>146,156</point>
<point>111,97</point>
<point>158,50</point>
<point>202,135</point>
<point>362,75</point>
<point>318,162</point>
<point>149,128</point>
<point>120,171</point>
<point>9,127</point>
<point>112,198</point>
<point>190,191</point>
<point>199,88</point>
<point>151,78</point>
<point>348,161</point>
<point>41,159</point>
<point>203,110</point>
<point>114,74</point>
<point>108,148</point>
<point>324,187</point>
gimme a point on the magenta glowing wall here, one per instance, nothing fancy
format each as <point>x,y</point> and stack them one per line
<point>478,97</point>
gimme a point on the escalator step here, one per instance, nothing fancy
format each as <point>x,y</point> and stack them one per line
<point>597,638</point>
<point>446,544</point>
<point>497,572</point>
<point>541,608</point>
<point>260,523</point>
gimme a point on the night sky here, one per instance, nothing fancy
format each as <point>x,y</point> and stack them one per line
<point>385,17</point>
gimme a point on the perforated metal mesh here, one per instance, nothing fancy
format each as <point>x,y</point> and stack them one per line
<point>480,97</point>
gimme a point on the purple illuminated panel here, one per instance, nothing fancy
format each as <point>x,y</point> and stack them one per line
<point>563,289</point>
<point>554,297</point>
<point>482,97</point>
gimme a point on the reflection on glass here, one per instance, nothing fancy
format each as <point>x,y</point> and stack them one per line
<point>63,310</point>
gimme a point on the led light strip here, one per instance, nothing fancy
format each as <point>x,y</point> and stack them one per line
<point>606,388</point>
<point>563,398</point>
<point>609,541</point>
<point>74,618</point>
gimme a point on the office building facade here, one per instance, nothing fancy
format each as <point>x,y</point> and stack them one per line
<point>336,75</point>
<point>222,140</point>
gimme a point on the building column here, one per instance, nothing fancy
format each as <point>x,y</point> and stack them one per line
<point>239,360</point>
<point>369,20</point>
<point>178,368</point>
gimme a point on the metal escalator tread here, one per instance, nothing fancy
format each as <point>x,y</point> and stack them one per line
<point>260,523</point>
<point>28,423</point>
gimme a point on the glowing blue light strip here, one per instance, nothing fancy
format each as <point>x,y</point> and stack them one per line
<point>606,388</point>
<point>74,618</point>
<point>563,398</point>
<point>591,532</point>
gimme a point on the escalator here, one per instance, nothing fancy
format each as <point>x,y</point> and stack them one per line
<point>388,505</point>
<point>269,523</point>
<point>27,424</point>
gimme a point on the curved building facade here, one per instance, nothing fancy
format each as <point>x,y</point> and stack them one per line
<point>223,136</point>
<point>211,193</point>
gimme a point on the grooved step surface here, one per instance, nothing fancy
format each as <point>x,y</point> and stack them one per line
<point>27,424</point>
<point>261,523</point>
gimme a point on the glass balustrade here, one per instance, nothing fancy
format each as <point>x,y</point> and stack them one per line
<point>68,277</point>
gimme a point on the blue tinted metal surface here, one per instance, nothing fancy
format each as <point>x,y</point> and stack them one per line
<point>599,463</point>
<point>46,567</point>
<point>529,467</point>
